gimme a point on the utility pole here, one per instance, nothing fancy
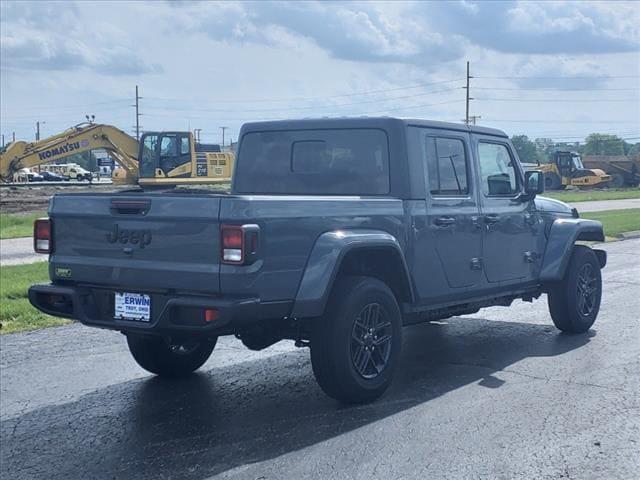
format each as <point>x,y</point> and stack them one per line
<point>137,105</point>
<point>38,130</point>
<point>223,129</point>
<point>466,117</point>
<point>473,118</point>
<point>13,136</point>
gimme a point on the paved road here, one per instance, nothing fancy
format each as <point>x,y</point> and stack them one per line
<point>14,251</point>
<point>600,205</point>
<point>499,394</point>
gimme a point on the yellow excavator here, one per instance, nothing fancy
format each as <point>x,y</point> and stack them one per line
<point>160,158</point>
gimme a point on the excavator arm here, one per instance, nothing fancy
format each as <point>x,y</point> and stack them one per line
<point>83,137</point>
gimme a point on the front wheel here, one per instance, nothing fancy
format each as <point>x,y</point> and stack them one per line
<point>552,181</point>
<point>356,344</point>
<point>169,359</point>
<point>574,302</point>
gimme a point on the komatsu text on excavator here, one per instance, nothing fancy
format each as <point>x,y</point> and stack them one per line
<point>160,158</point>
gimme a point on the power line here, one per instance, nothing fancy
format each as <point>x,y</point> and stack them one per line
<point>321,112</point>
<point>53,116</point>
<point>409,107</point>
<point>546,89</point>
<point>308,107</point>
<point>554,100</point>
<point>66,107</point>
<point>298,99</point>
<point>568,77</point>
<point>548,120</point>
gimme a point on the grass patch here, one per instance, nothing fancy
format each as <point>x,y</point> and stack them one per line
<point>16,313</point>
<point>14,225</point>
<point>590,195</point>
<point>616,222</point>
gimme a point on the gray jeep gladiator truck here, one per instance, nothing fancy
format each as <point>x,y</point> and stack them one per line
<point>336,233</point>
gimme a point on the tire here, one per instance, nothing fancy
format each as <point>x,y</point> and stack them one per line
<point>617,181</point>
<point>362,315</point>
<point>155,355</point>
<point>552,181</point>
<point>574,302</point>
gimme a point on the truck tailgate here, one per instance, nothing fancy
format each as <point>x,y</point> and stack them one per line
<point>139,242</point>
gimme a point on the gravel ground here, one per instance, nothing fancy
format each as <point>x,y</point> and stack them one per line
<point>35,197</point>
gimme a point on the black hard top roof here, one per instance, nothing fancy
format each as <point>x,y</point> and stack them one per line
<point>363,122</point>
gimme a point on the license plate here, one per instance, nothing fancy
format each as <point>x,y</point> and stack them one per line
<point>132,306</point>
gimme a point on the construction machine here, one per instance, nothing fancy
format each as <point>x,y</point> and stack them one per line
<point>624,169</point>
<point>566,169</point>
<point>160,158</point>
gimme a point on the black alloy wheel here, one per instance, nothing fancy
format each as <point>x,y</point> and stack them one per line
<point>371,340</point>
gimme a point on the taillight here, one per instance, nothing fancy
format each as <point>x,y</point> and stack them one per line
<point>232,244</point>
<point>42,235</point>
<point>239,244</point>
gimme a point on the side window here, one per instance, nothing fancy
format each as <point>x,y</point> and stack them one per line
<point>497,170</point>
<point>148,161</point>
<point>168,146</point>
<point>149,148</point>
<point>184,146</point>
<point>447,165</point>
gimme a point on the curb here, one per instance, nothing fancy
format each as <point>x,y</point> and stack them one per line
<point>629,235</point>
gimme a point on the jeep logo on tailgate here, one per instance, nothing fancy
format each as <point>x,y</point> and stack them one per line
<point>134,237</point>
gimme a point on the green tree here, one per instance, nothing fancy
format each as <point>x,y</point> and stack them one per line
<point>526,148</point>
<point>603,144</point>
<point>544,148</point>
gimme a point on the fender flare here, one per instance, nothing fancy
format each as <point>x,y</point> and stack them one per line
<point>324,263</point>
<point>563,234</point>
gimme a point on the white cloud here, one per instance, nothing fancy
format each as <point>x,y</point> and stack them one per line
<point>39,36</point>
<point>204,64</point>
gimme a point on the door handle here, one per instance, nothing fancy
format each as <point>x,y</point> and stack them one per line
<point>444,221</point>
<point>492,218</point>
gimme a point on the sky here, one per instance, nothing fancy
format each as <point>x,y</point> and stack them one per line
<point>544,69</point>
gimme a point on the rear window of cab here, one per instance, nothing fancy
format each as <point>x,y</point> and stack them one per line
<point>314,162</point>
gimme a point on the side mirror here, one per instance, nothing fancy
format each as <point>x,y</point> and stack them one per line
<point>533,183</point>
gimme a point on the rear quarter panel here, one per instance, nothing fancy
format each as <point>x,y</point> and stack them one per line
<point>289,228</point>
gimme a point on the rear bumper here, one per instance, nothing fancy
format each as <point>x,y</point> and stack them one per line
<point>170,313</point>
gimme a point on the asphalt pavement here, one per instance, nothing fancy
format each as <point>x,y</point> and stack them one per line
<point>498,395</point>
<point>16,251</point>
<point>601,205</point>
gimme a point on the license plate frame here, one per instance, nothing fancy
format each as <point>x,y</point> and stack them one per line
<point>135,307</point>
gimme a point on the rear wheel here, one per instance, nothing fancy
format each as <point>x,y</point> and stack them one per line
<point>574,302</point>
<point>169,359</point>
<point>355,346</point>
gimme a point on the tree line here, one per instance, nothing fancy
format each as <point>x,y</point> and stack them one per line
<point>541,150</point>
